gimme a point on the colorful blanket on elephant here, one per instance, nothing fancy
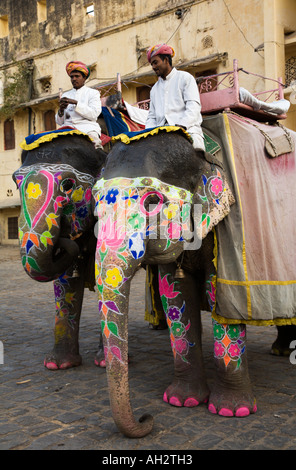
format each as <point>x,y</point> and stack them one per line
<point>33,141</point>
<point>118,122</point>
<point>255,251</point>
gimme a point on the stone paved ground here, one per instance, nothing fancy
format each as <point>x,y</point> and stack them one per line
<point>65,410</point>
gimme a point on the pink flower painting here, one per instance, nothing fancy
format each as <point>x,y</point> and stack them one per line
<point>110,236</point>
<point>216,186</point>
<point>167,289</point>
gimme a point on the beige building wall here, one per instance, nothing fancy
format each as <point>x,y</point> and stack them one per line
<point>206,35</point>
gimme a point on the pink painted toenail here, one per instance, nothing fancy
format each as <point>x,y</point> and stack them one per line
<point>255,409</point>
<point>65,365</point>
<point>225,412</point>
<point>51,365</point>
<point>243,411</point>
<point>190,402</point>
<point>102,363</point>
<point>174,401</point>
<point>165,397</point>
<point>212,409</point>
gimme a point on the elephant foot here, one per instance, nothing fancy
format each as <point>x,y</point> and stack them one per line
<point>100,356</point>
<point>180,393</point>
<point>278,350</point>
<point>281,346</point>
<point>232,403</point>
<point>56,362</point>
<point>232,393</point>
<point>100,360</point>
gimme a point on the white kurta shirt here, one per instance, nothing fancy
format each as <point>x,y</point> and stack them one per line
<point>84,115</point>
<point>174,101</point>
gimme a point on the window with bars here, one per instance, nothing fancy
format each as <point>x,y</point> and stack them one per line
<point>290,71</point>
<point>12,228</point>
<point>9,135</point>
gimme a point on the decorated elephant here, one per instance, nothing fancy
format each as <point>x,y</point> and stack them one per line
<point>162,203</point>
<point>56,227</point>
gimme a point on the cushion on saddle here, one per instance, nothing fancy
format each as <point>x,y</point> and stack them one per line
<point>129,137</point>
<point>211,146</point>
<point>33,141</point>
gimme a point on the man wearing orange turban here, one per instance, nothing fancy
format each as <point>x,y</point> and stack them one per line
<point>81,106</point>
<point>76,65</point>
<point>174,99</point>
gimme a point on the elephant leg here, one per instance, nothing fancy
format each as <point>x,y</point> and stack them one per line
<point>189,387</point>
<point>232,392</point>
<point>285,335</point>
<point>69,293</point>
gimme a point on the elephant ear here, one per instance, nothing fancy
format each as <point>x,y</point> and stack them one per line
<point>212,199</point>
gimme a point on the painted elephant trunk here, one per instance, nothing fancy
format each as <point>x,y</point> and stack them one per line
<point>121,408</point>
<point>114,286</point>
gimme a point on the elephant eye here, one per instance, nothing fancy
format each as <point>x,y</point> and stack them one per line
<point>151,201</point>
<point>67,185</point>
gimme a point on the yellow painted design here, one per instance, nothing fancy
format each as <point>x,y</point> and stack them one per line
<point>34,190</point>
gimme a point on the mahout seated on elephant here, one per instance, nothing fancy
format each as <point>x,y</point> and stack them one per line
<point>56,229</point>
<point>147,198</point>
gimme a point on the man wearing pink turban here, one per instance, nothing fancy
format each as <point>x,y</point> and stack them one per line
<point>174,99</point>
<point>81,106</point>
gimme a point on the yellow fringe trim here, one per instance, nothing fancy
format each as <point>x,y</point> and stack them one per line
<point>127,140</point>
<point>49,138</point>
<point>274,322</point>
<point>255,283</point>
